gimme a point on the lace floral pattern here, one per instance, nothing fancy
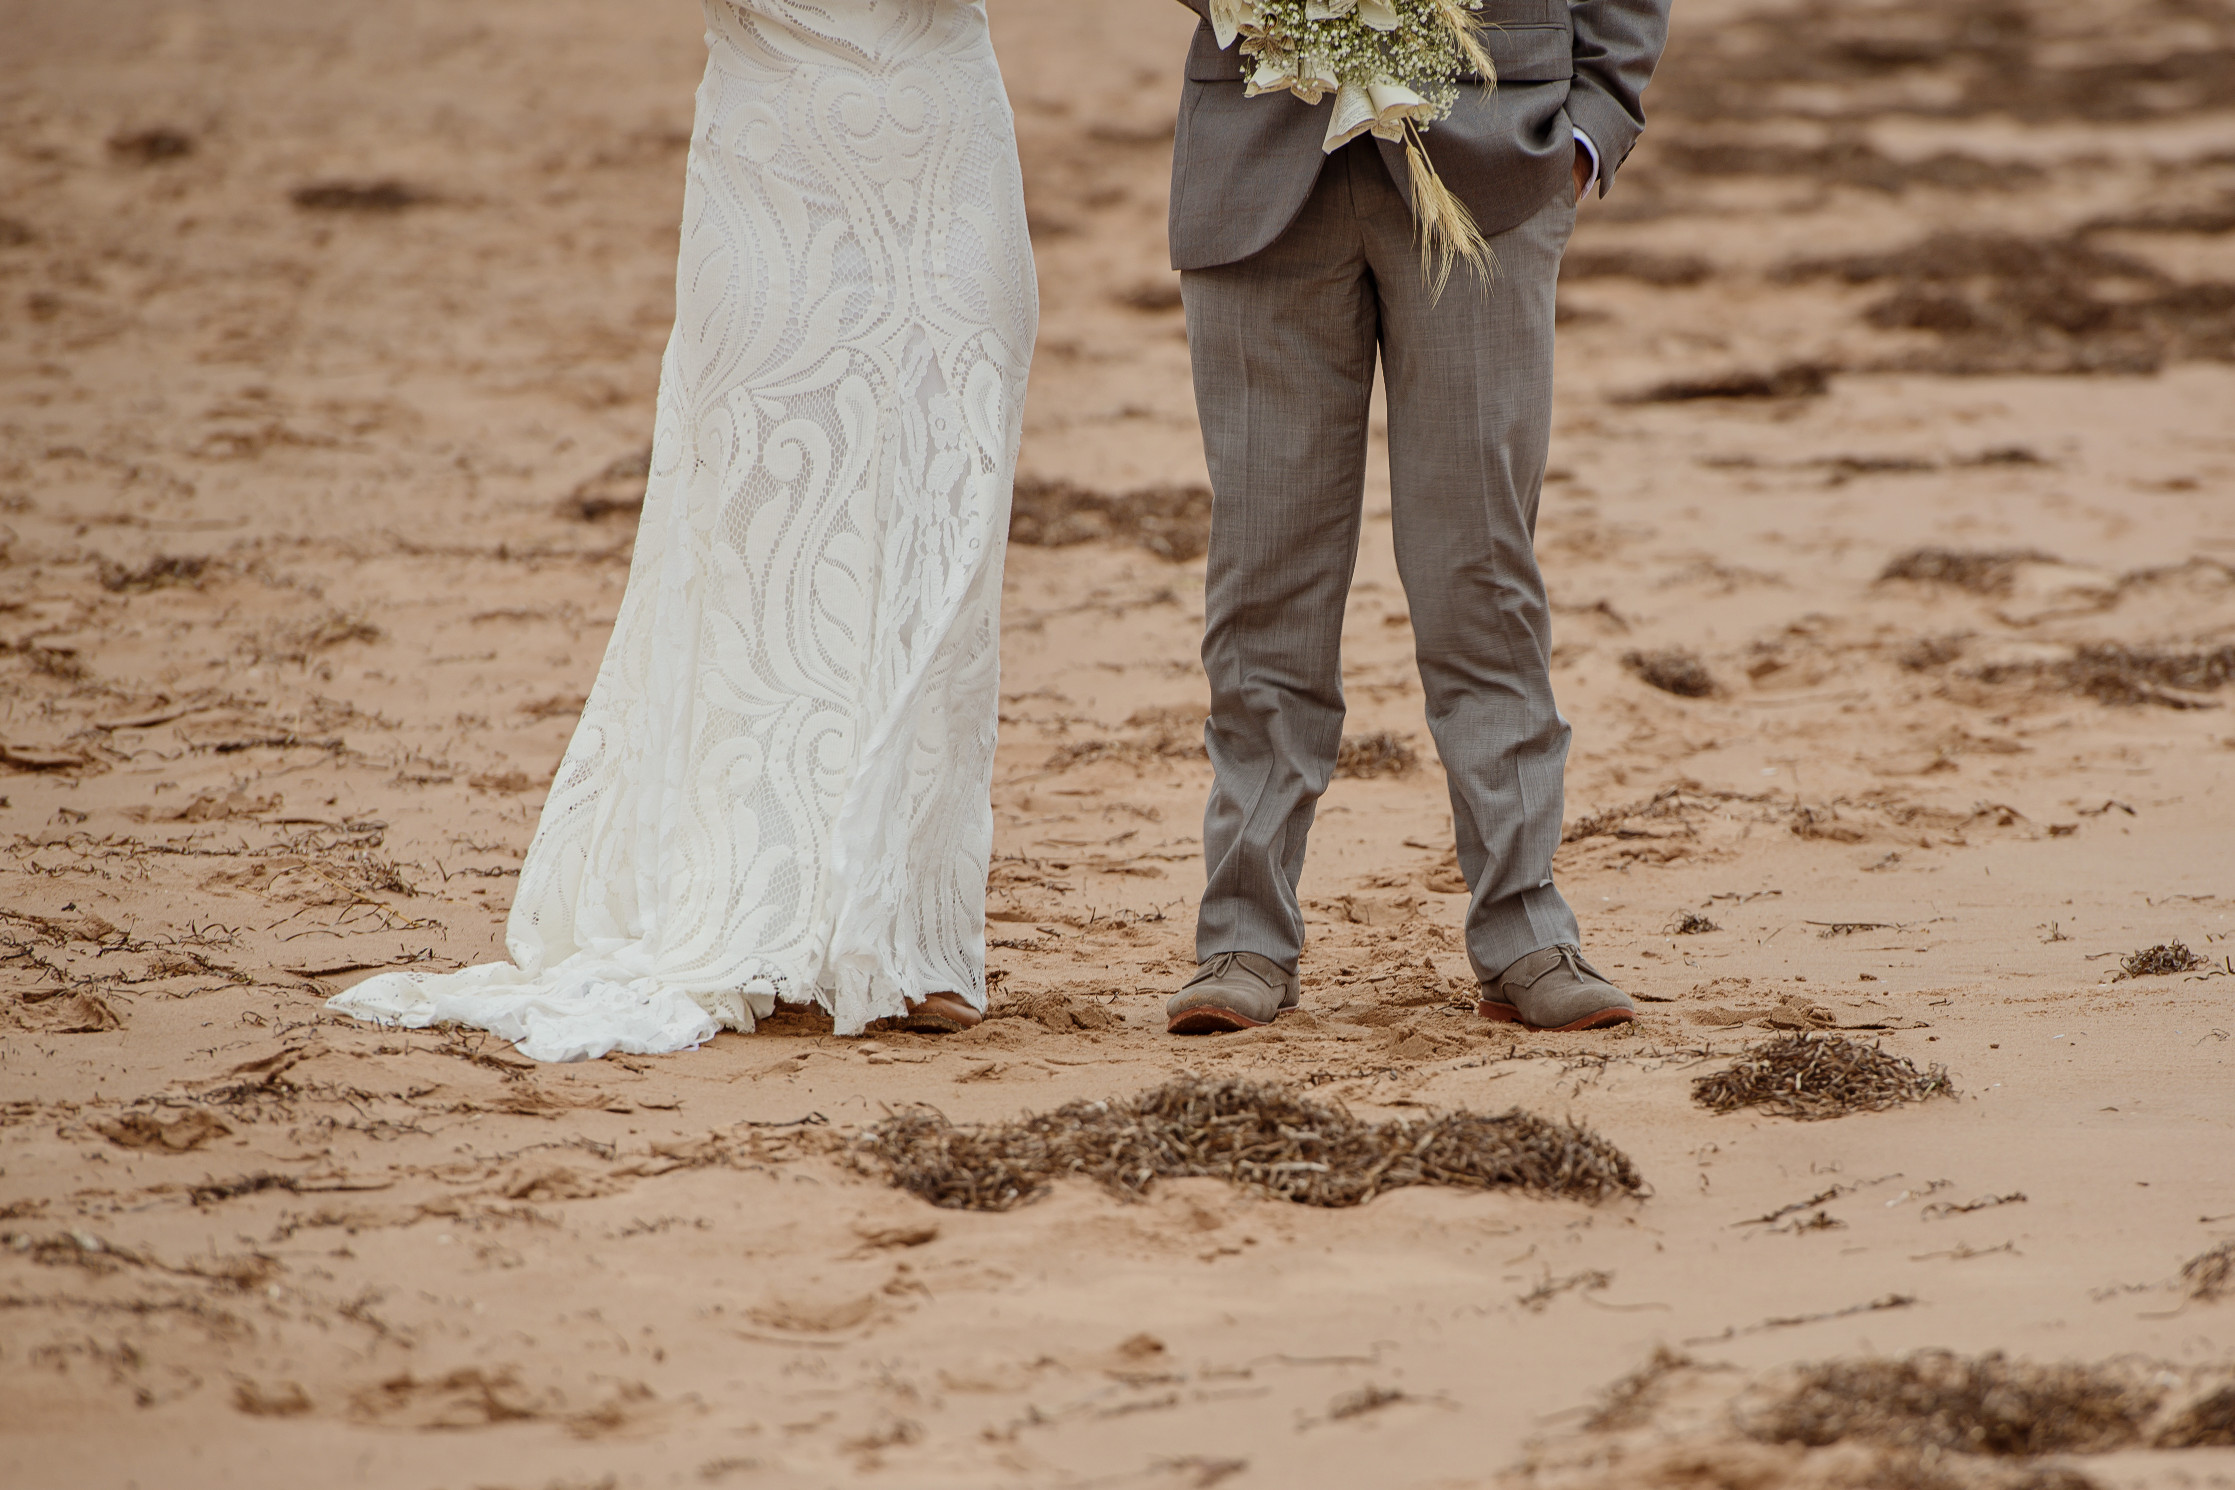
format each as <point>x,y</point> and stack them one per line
<point>779,786</point>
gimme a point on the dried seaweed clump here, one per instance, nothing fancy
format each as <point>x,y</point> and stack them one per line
<point>1899,1469</point>
<point>1981,571</point>
<point>1168,734</point>
<point>385,195</point>
<point>616,491</point>
<point>1929,652</point>
<point>2015,60</point>
<point>1669,271</point>
<point>2210,1276</point>
<point>2160,960</point>
<point>1844,160</point>
<point>2007,303</point>
<point>1172,522</point>
<point>163,569</point>
<point>1793,380</point>
<point>1810,1076</point>
<point>303,640</point>
<point>1970,1404</point>
<point>1378,754</point>
<point>2208,1422</point>
<point>1260,1136</point>
<point>1673,802</point>
<point>1673,670</point>
<point>152,146</point>
<point>1630,1402</point>
<point>2114,674</point>
<point>1152,295</point>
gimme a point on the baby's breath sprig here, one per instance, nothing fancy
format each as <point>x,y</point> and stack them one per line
<point>1393,67</point>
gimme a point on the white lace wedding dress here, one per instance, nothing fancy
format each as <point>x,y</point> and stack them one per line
<point>779,787</point>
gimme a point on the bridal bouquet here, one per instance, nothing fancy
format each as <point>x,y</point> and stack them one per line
<point>1393,68</point>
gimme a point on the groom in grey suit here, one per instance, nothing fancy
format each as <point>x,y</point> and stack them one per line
<point>1297,269</point>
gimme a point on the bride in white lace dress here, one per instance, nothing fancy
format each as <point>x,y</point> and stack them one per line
<point>779,787</point>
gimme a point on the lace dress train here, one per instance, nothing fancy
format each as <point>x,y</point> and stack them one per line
<point>779,786</point>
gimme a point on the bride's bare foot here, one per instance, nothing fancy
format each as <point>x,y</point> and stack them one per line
<point>941,1014</point>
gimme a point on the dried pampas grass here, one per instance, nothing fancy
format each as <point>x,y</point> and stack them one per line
<point>1448,234</point>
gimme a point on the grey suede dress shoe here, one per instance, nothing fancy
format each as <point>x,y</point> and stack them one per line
<point>1232,991</point>
<point>1553,988</point>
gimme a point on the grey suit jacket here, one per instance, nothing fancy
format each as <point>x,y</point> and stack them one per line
<point>1241,167</point>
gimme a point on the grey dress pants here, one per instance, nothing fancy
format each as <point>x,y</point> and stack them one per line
<point>1283,344</point>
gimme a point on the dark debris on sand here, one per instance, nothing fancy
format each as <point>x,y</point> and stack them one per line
<point>1898,1469</point>
<point>1672,670</point>
<point>1668,271</point>
<point>2210,220</point>
<point>385,195</point>
<point>1847,160</point>
<point>162,570</point>
<point>2020,59</point>
<point>1378,754</point>
<point>2208,1422</point>
<point>1158,735</point>
<point>616,491</point>
<point>1172,522</point>
<point>2108,672</point>
<point>2007,303</point>
<point>1629,1403</point>
<point>1677,804</point>
<point>2113,674</point>
<point>1936,1420</point>
<point>1259,1136</point>
<point>1980,571</point>
<point>1792,380</point>
<point>1153,296</point>
<point>1928,652</point>
<point>2160,961</point>
<point>1812,1076</point>
<point>1969,1404</point>
<point>2210,1276</point>
<point>152,146</point>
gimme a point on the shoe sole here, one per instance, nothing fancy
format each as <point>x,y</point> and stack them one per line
<point>1210,1021</point>
<point>935,1021</point>
<point>1508,1014</point>
<point>936,1024</point>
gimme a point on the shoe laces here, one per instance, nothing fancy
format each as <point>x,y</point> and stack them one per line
<point>1222,964</point>
<point>1571,957</point>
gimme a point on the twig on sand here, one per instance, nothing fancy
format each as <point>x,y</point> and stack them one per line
<point>1788,1321</point>
<point>1551,1288</point>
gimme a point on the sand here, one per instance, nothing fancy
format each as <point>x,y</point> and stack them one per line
<point>328,336</point>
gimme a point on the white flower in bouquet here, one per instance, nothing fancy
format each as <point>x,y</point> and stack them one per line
<point>1392,68</point>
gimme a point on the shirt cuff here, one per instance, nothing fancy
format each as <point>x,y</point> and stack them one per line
<point>1593,151</point>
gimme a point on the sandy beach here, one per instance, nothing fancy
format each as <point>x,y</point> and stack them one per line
<point>1891,538</point>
